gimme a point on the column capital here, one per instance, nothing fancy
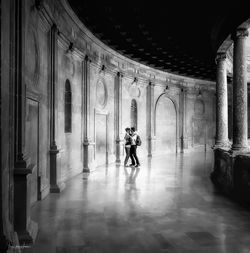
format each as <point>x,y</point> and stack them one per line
<point>184,90</point>
<point>220,57</point>
<point>87,58</point>
<point>120,74</point>
<point>150,83</point>
<point>240,33</point>
<point>54,28</point>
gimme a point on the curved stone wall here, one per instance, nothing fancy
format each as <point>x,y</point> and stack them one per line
<point>57,47</point>
<point>74,42</point>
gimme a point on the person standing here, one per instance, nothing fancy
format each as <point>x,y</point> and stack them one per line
<point>135,140</point>
<point>128,141</point>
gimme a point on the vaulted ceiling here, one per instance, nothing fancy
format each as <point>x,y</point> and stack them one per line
<point>181,38</point>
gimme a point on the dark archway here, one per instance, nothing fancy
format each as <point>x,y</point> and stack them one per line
<point>133,114</point>
<point>67,108</point>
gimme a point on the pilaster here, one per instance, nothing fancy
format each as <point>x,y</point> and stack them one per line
<point>55,185</point>
<point>118,115</point>
<point>23,225</point>
<point>86,97</point>
<point>183,106</point>
<point>150,117</point>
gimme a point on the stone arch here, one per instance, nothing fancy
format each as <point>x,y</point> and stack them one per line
<point>67,107</point>
<point>166,124</point>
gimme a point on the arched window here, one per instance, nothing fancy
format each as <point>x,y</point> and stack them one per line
<point>67,108</point>
<point>133,114</point>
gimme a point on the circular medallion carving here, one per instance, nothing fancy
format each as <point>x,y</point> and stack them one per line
<point>134,91</point>
<point>69,65</point>
<point>101,94</point>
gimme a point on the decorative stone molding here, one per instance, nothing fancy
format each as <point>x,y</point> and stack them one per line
<point>34,58</point>
<point>220,57</point>
<point>240,33</point>
<point>101,94</point>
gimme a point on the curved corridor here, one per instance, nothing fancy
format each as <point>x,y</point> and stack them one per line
<point>168,205</point>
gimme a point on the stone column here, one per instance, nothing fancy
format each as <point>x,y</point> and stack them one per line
<point>118,114</point>
<point>221,102</point>
<point>55,186</point>
<point>150,116</point>
<point>240,91</point>
<point>86,97</point>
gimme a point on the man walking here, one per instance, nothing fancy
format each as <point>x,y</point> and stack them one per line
<point>135,140</point>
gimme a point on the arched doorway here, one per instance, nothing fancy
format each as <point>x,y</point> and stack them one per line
<point>133,113</point>
<point>165,125</point>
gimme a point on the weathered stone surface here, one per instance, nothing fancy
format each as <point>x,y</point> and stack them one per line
<point>240,91</point>
<point>231,174</point>
<point>221,102</point>
<point>61,49</point>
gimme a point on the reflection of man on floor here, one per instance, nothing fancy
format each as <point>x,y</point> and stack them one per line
<point>131,192</point>
<point>131,178</point>
<point>133,154</point>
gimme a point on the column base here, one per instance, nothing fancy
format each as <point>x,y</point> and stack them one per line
<point>118,151</point>
<point>86,156</point>
<point>28,237</point>
<point>25,238</point>
<point>57,188</point>
<point>86,170</point>
<point>222,145</point>
<point>54,186</point>
<point>183,144</point>
<point>240,149</point>
<point>4,244</point>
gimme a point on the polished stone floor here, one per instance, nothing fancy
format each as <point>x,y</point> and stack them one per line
<point>168,205</point>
